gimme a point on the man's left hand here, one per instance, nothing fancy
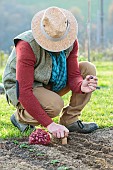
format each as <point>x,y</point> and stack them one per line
<point>89,84</point>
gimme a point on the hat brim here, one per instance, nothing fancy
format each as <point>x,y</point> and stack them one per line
<point>49,45</point>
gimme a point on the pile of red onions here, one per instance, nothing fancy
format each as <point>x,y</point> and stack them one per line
<point>39,136</point>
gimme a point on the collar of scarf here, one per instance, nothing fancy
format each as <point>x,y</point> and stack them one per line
<point>59,71</point>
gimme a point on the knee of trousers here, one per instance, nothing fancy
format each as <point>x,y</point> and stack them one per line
<point>87,68</point>
<point>56,107</point>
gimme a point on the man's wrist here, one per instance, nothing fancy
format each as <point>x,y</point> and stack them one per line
<point>50,125</point>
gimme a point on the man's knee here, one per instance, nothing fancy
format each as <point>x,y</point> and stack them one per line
<point>56,107</point>
<point>87,68</point>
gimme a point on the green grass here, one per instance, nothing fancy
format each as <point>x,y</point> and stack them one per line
<point>99,109</point>
<point>1,73</point>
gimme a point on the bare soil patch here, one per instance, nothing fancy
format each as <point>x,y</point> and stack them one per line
<point>83,152</point>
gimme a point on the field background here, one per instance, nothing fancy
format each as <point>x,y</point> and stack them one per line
<point>17,15</point>
<point>99,109</point>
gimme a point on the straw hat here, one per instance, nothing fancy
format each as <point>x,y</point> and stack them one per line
<point>54,29</point>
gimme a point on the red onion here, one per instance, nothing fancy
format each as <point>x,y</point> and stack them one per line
<point>39,136</point>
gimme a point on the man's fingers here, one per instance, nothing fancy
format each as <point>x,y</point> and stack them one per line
<point>92,88</point>
<point>88,77</point>
<point>61,133</point>
<point>54,134</point>
<point>92,84</point>
<point>91,77</point>
<point>66,134</point>
<point>95,78</point>
<point>58,134</point>
<point>66,130</point>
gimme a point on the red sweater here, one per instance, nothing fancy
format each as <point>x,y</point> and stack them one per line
<point>25,77</point>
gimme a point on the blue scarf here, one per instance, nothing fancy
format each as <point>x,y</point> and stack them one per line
<point>59,71</point>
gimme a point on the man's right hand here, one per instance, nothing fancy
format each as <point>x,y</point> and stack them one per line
<point>59,131</point>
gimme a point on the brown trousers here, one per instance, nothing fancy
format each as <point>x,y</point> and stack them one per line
<point>52,102</point>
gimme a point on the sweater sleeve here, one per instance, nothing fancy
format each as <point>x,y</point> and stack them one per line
<point>25,78</point>
<point>74,76</point>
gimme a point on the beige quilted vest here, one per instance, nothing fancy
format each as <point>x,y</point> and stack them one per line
<point>42,68</point>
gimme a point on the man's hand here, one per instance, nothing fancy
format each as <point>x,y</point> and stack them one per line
<point>59,131</point>
<point>89,84</point>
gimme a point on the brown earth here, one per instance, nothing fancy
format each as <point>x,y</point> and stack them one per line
<point>83,152</point>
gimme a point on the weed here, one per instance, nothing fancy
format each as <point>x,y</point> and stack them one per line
<point>54,161</point>
<point>24,145</point>
<point>15,142</point>
<point>63,168</point>
<point>40,154</point>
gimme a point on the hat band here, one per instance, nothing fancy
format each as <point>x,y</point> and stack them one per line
<point>54,39</point>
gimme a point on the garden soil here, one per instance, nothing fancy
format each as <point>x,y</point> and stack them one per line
<point>92,151</point>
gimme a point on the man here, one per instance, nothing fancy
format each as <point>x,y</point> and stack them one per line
<point>42,67</point>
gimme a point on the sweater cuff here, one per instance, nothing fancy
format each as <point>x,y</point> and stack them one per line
<point>48,122</point>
